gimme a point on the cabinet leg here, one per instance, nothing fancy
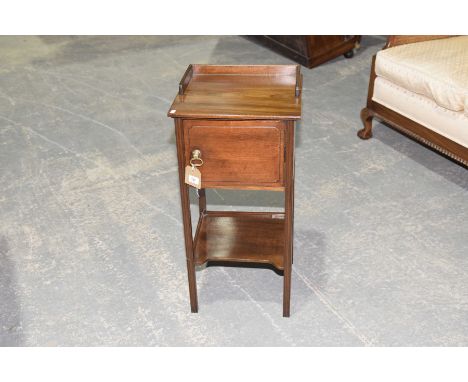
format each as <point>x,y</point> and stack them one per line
<point>184,193</point>
<point>288,220</point>
<point>189,248</point>
<point>288,258</point>
<point>192,286</point>
<point>187,221</point>
<point>287,292</point>
<point>292,223</point>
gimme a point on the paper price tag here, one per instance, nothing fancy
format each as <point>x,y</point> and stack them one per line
<point>193,177</point>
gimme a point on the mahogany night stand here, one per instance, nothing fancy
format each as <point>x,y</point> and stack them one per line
<point>235,129</point>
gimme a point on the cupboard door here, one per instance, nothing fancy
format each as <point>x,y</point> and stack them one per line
<point>237,154</point>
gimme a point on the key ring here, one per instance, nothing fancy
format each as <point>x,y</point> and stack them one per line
<point>196,164</point>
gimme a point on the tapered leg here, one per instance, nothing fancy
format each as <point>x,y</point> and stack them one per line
<point>187,222</point>
<point>366,117</point>
<point>288,244</point>
<point>292,220</point>
<point>184,193</point>
<point>288,218</point>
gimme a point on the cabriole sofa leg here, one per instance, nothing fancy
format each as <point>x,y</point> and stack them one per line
<point>366,117</point>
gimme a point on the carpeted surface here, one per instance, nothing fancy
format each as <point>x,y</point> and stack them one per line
<point>91,242</point>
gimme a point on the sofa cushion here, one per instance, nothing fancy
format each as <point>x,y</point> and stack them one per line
<point>437,69</point>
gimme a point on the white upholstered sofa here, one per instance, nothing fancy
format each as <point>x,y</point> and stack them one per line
<point>419,85</point>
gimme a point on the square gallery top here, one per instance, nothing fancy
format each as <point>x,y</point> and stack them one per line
<point>239,92</point>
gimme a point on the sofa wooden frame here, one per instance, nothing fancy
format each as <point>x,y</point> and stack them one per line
<point>403,124</point>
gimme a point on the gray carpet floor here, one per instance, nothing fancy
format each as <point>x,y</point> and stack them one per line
<point>91,240</point>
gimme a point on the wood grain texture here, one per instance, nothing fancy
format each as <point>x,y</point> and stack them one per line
<point>243,237</point>
<point>311,50</point>
<point>237,153</point>
<point>240,92</point>
<point>258,70</point>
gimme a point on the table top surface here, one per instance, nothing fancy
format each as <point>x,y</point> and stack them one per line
<point>239,92</point>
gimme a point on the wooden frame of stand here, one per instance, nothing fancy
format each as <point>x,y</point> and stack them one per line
<point>240,121</point>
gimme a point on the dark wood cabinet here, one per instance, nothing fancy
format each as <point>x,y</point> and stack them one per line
<point>237,122</point>
<point>312,50</point>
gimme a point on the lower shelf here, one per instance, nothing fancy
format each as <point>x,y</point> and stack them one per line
<point>248,237</point>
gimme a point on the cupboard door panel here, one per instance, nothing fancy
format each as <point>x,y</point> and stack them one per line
<point>237,153</point>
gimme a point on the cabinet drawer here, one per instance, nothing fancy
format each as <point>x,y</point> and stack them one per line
<point>240,154</point>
